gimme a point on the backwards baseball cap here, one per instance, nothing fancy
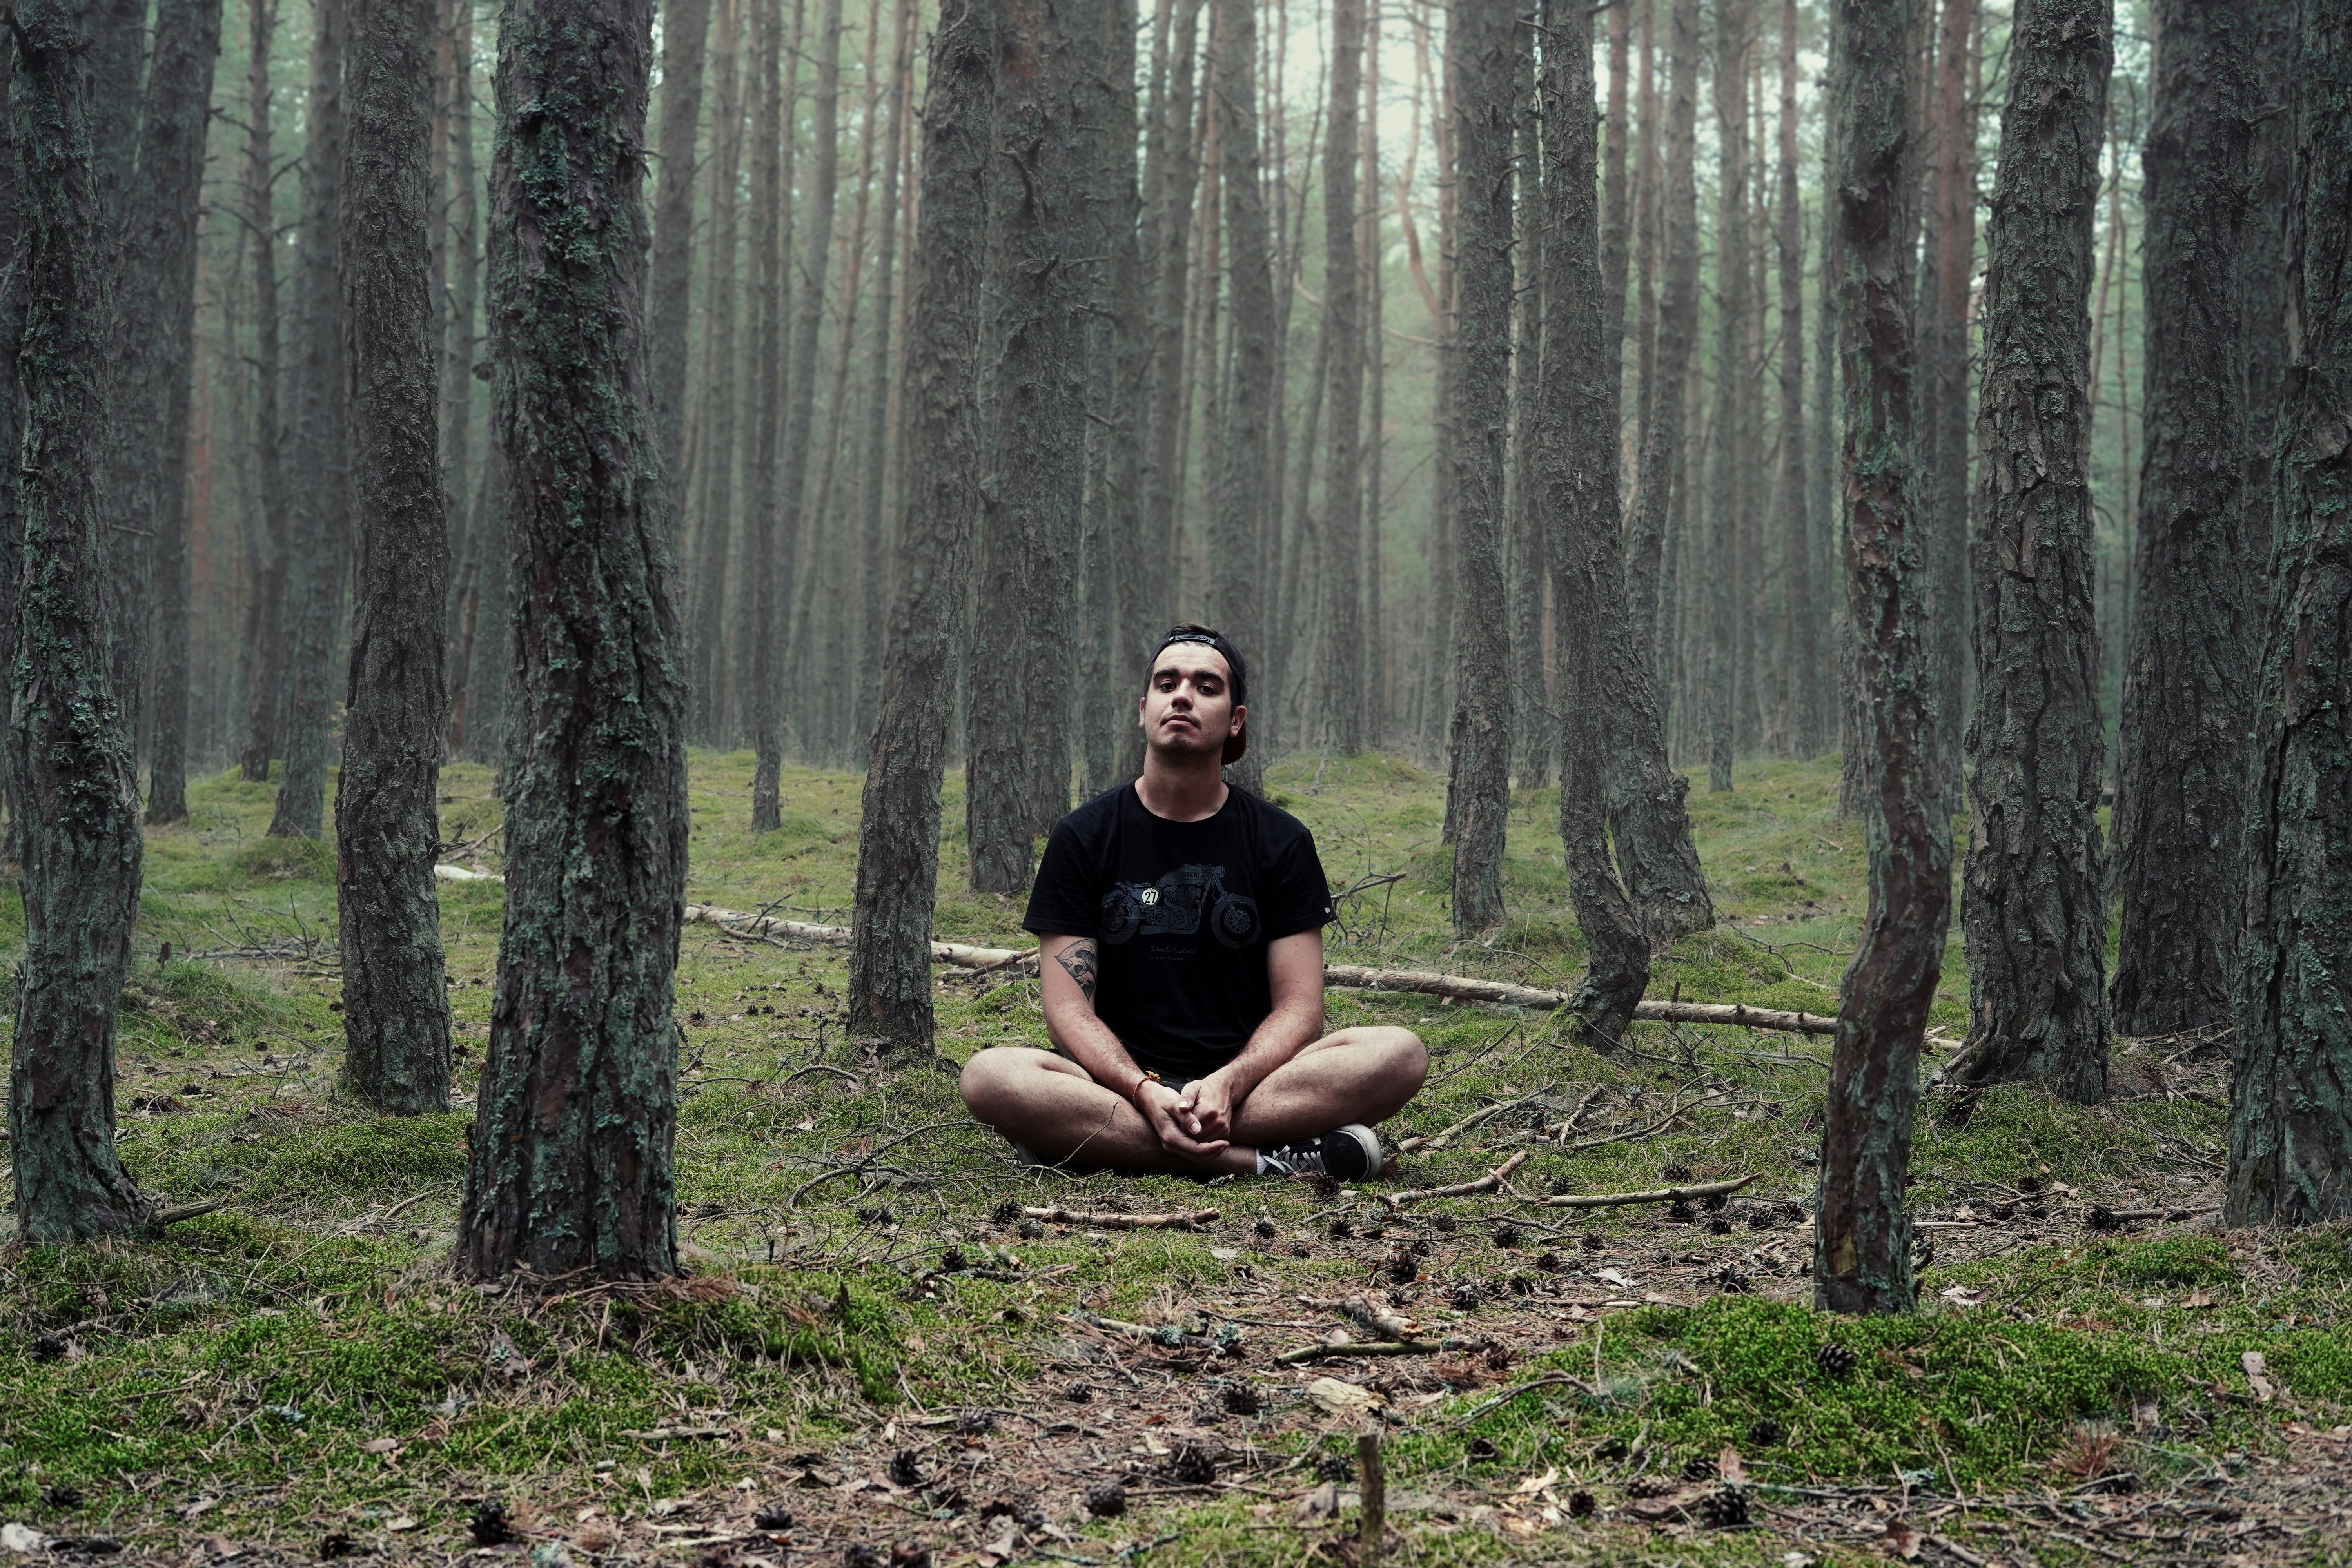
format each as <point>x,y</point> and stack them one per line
<point>1234,744</point>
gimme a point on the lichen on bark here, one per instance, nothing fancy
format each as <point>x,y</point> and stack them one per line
<point>571,1165</point>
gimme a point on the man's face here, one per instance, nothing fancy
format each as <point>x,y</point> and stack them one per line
<point>1189,706</point>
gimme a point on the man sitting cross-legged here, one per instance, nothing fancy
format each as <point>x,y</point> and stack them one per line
<point>1182,929</point>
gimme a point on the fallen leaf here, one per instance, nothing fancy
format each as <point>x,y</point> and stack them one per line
<point>381,1446</point>
<point>403,1522</point>
<point>1342,1398</point>
<point>1902,1538</point>
<point>1964,1296</point>
<point>21,1538</point>
<point>1536,1483</point>
<point>1611,1277</point>
<point>2255,1367</point>
<point>1004,1541</point>
<point>1731,1467</point>
<point>2198,1298</point>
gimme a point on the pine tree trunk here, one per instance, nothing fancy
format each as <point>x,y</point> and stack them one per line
<point>685,26</point>
<point>387,821</point>
<point>1372,303</point>
<point>2032,900</point>
<point>1241,493</point>
<point>1131,406</point>
<point>2188,683</point>
<point>879,467</point>
<point>114,65</point>
<point>1862,1248</point>
<point>1725,537</point>
<point>794,493</point>
<point>266,650</point>
<point>1648,235</point>
<point>1535,740</point>
<point>572,1166</point>
<point>898,831</point>
<point>1340,683</point>
<point>1049,256</point>
<point>723,389</point>
<point>459,342</point>
<point>761,632</point>
<point>1481,73</point>
<point>1803,642</point>
<point>1947,274</point>
<point>1172,173</point>
<point>1647,815</point>
<point>153,362</point>
<point>1677,325</point>
<point>74,797</point>
<point>13,306</point>
<point>321,487</point>
<point>1577,441</point>
<point>2290,1117</point>
<point>1614,247</point>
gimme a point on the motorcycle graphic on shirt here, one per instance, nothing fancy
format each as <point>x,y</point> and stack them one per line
<point>1175,905</point>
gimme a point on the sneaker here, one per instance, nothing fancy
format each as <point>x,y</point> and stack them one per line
<point>1348,1153</point>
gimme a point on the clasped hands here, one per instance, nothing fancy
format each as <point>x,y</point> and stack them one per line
<point>1195,1122</point>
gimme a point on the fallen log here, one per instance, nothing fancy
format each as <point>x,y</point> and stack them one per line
<point>1503,993</point>
<point>1122,1221</point>
<point>1486,1183</point>
<point>1654,1195</point>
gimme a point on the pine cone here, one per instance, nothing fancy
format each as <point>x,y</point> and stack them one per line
<point>1652,1486</point>
<point>1713,1203</point>
<point>1191,1465</point>
<point>1505,1234</point>
<point>1462,1296</point>
<point>1834,1359</point>
<point>1765,1433</point>
<point>1264,1229</point>
<point>1340,1229</point>
<point>1719,1225</point>
<point>1242,1399</point>
<point>905,1470</point>
<point>1581,1505</point>
<point>1724,1509</point>
<point>1404,1269</point>
<point>1677,1171</point>
<point>1698,1468</point>
<point>1592,1243</point>
<point>2104,1218</point>
<point>1105,1499</point>
<point>1029,1230</point>
<point>1444,1224</point>
<point>1732,1282</point>
<point>1004,1213</point>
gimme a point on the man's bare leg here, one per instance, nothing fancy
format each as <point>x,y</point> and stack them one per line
<point>1050,1105</point>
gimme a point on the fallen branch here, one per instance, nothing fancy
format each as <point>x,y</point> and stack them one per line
<point>459,874</point>
<point>745,923</point>
<point>1367,1314</point>
<point>1655,1195</point>
<point>1486,1183</point>
<point>1503,993</point>
<point>1376,1347</point>
<point>178,1212</point>
<point>1122,1221</point>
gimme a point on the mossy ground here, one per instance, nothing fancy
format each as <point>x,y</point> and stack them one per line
<point>300,1366</point>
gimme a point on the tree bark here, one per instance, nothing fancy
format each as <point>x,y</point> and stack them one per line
<point>761,633</point>
<point>1861,1245</point>
<point>2290,1111</point>
<point>879,467</point>
<point>1577,440</point>
<point>74,793</point>
<point>1534,740</point>
<point>322,480</point>
<point>1804,633</point>
<point>571,1165</point>
<point>1340,683</point>
<point>1481,74</point>
<point>1050,257</point>
<point>686,26</point>
<point>459,342</point>
<point>153,362</point>
<point>1948,273</point>
<point>1240,494</point>
<point>266,640</point>
<point>898,831</point>
<point>1725,613</point>
<point>387,821</point>
<point>794,493</point>
<point>2032,903</point>
<point>723,389</point>
<point>2189,681</point>
<point>1647,815</point>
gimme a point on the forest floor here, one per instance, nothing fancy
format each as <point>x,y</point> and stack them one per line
<point>876,1356</point>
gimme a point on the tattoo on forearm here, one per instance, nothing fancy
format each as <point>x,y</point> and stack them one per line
<point>1078,960</point>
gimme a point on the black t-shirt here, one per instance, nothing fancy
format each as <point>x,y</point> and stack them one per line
<point>1181,913</point>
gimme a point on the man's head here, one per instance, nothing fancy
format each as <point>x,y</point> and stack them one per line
<point>1196,695</point>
